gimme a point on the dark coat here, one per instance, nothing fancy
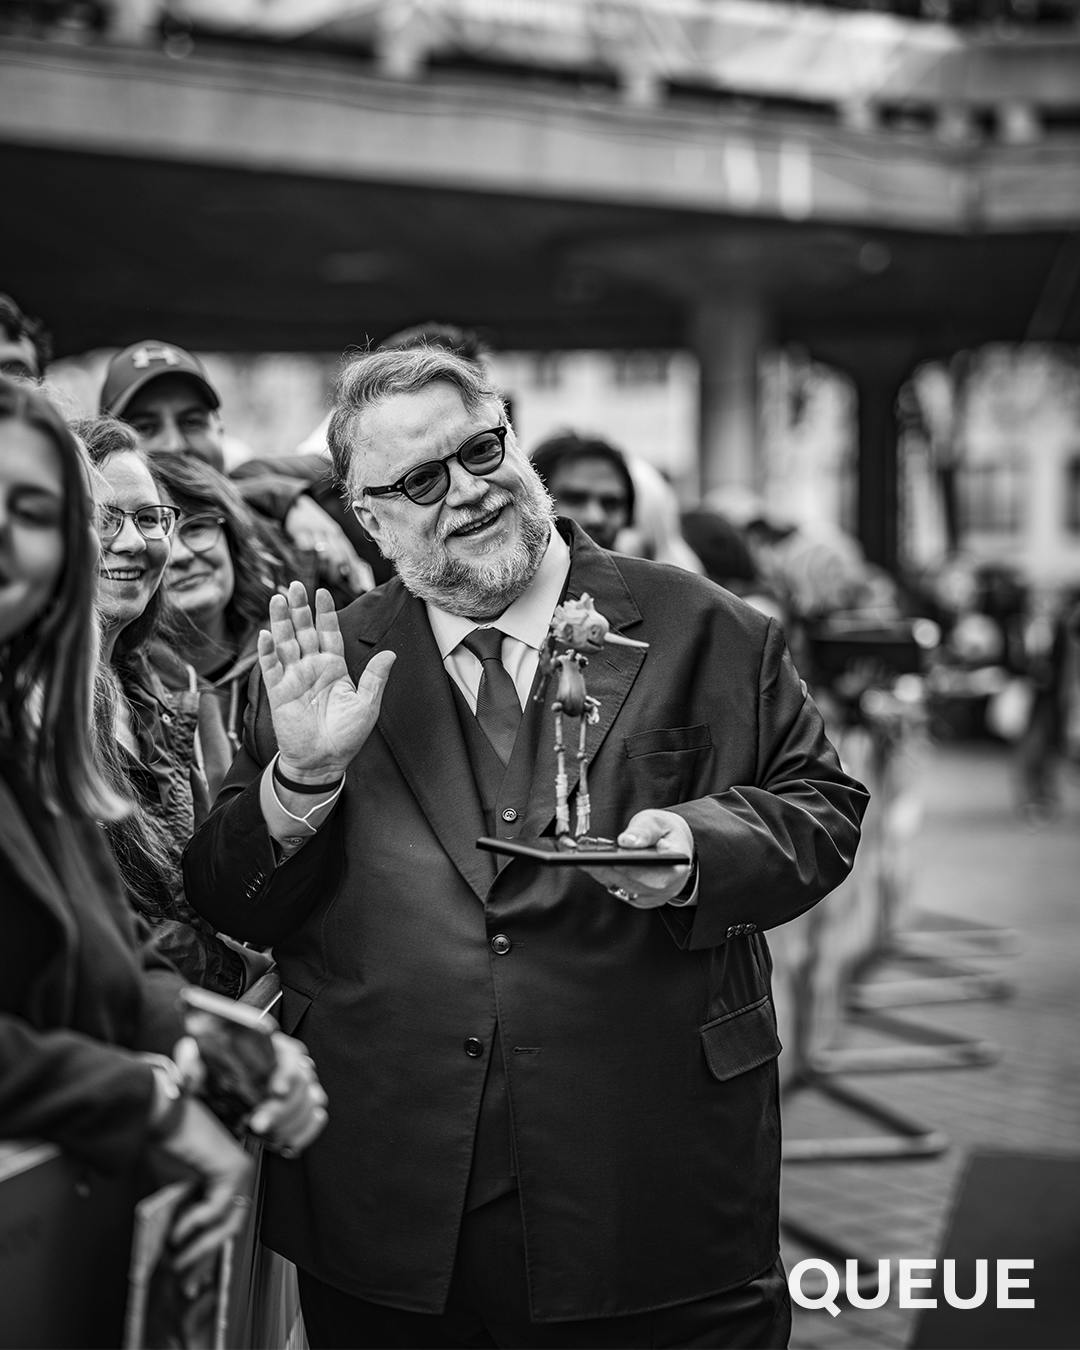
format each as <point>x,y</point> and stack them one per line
<point>639,1046</point>
<point>78,994</point>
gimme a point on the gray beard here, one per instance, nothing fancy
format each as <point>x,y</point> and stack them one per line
<point>480,590</point>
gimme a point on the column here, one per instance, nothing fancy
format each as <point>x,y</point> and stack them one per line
<point>726,335</point>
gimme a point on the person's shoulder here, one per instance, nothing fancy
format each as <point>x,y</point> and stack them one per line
<point>686,593</point>
<point>373,610</point>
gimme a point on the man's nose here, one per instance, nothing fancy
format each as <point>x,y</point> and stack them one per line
<point>465,487</point>
<point>593,512</point>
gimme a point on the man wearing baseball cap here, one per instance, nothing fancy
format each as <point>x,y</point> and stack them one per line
<point>165,395</point>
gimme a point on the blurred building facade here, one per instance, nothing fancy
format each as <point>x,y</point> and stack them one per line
<point>865,187</point>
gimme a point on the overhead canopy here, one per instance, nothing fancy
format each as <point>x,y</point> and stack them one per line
<point>235,199</point>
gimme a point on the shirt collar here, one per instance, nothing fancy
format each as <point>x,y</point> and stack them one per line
<point>527,619</point>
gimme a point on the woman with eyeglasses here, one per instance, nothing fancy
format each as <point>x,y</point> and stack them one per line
<point>148,734</point>
<point>225,565</point>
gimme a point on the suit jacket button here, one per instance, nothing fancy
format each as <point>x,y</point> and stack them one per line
<point>509,815</point>
<point>474,1047</point>
<point>500,944</point>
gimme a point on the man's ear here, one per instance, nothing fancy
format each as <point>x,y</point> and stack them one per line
<point>368,523</point>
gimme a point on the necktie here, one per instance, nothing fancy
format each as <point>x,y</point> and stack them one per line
<point>497,708</point>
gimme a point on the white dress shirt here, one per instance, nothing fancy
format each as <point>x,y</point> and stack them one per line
<point>525,625</point>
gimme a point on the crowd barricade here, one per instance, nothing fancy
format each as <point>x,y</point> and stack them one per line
<point>264,1301</point>
<point>65,1240</point>
<point>66,1252</point>
<point>871,690</point>
<point>816,956</point>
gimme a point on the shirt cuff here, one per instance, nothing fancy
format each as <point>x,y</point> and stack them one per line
<point>689,894</point>
<point>291,832</point>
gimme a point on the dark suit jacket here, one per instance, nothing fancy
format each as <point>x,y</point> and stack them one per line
<point>78,994</point>
<point>639,1046</point>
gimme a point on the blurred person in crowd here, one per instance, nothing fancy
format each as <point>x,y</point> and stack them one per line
<point>1051,622</point>
<point>25,343</point>
<point>727,560</point>
<point>224,565</point>
<point>588,481</point>
<point>555,1088</point>
<point>656,533</point>
<point>89,1014</point>
<point>148,735</point>
<point>164,393</point>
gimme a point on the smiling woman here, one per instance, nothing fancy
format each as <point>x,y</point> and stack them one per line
<point>225,565</point>
<point>148,734</point>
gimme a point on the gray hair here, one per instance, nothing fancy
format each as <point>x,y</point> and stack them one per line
<point>371,377</point>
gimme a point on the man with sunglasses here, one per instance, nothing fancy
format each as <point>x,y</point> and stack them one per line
<point>553,1090</point>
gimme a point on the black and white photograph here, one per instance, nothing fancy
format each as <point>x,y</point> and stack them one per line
<point>539,674</point>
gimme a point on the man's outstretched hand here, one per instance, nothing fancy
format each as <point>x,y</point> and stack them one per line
<point>321,719</point>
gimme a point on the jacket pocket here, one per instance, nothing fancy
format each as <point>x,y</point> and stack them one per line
<point>741,1040</point>
<point>667,739</point>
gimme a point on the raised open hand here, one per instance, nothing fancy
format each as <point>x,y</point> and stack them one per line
<point>321,719</point>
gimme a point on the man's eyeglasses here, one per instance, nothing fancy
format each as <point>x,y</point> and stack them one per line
<point>200,533</point>
<point>428,483</point>
<point>152,522</point>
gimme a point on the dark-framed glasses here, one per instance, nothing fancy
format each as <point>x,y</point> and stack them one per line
<point>152,522</point>
<point>428,483</point>
<point>201,532</point>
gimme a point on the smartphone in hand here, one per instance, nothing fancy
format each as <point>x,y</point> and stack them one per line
<point>236,1047</point>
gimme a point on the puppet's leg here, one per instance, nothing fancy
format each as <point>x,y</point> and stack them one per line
<point>562,807</point>
<point>584,805</point>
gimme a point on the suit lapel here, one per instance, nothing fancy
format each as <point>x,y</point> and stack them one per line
<point>609,677</point>
<point>419,723</point>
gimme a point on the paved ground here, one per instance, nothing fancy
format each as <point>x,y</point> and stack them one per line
<point>977,861</point>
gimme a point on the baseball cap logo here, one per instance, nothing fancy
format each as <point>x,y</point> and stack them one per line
<point>142,356</point>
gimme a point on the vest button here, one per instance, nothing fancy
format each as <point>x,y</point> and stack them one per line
<point>509,815</point>
<point>474,1047</point>
<point>500,944</point>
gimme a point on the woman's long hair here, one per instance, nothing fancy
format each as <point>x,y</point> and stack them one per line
<point>47,670</point>
<point>262,561</point>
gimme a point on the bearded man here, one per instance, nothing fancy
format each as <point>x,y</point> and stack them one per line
<point>553,1090</point>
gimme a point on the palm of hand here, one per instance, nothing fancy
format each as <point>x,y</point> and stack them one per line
<point>317,711</point>
<point>321,719</point>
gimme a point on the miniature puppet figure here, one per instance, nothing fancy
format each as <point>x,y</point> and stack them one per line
<point>577,628</point>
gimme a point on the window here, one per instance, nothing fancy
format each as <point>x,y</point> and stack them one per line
<point>631,369</point>
<point>991,496</point>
